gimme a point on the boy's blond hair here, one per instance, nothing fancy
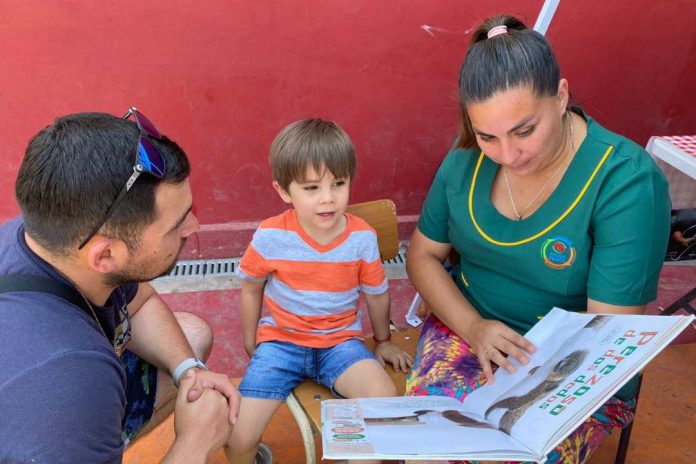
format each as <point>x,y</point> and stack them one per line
<point>311,142</point>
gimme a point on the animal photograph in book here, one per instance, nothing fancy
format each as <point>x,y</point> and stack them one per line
<point>429,416</point>
<point>544,378</point>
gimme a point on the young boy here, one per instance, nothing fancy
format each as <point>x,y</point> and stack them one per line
<point>308,265</point>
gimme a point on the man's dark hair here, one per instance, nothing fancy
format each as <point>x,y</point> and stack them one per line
<point>75,168</point>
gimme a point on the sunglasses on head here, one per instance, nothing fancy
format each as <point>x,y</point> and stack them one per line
<point>148,159</point>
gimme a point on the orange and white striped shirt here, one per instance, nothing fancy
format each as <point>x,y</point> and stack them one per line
<point>311,289</point>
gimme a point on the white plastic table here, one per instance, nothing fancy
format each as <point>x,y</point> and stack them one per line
<point>679,152</point>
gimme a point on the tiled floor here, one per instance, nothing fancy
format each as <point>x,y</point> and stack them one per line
<point>666,414</point>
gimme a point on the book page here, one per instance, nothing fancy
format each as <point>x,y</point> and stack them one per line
<point>409,426</point>
<point>581,358</point>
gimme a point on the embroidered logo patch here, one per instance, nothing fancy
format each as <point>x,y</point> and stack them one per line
<point>558,252</point>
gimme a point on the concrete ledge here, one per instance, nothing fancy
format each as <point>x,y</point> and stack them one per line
<point>165,285</point>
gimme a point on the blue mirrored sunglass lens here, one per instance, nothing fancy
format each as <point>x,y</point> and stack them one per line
<point>146,125</point>
<point>150,158</point>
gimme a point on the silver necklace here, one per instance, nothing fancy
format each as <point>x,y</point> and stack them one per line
<point>117,350</point>
<point>521,214</point>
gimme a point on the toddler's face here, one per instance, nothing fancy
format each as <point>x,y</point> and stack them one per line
<point>320,201</point>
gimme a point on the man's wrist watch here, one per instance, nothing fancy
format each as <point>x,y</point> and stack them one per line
<point>185,365</point>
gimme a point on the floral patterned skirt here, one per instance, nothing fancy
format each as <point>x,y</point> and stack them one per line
<point>446,366</point>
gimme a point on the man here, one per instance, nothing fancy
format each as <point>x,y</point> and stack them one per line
<point>106,206</point>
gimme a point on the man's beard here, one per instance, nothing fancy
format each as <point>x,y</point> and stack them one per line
<point>140,273</point>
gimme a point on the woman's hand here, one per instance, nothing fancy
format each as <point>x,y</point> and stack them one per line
<point>494,342</point>
<point>391,353</point>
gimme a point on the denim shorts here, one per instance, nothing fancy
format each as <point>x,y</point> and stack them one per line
<point>278,367</point>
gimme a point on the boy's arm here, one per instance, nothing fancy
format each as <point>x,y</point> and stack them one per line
<point>378,308</point>
<point>251,301</point>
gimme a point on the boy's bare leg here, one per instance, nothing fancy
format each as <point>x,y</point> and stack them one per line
<point>254,416</point>
<point>351,384</point>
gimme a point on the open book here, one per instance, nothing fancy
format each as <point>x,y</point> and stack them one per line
<point>581,361</point>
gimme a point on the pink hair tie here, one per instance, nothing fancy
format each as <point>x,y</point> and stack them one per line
<point>497,30</point>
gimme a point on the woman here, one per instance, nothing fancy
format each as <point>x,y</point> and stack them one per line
<point>546,208</point>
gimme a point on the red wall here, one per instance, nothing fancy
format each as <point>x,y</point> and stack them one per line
<point>224,76</point>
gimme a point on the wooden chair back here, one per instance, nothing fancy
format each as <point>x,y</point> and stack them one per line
<point>381,216</point>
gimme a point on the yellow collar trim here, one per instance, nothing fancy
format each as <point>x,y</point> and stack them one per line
<point>547,229</point>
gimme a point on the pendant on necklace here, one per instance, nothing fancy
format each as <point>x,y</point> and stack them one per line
<point>118,350</point>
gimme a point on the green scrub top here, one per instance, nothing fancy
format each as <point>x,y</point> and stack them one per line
<point>602,234</point>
